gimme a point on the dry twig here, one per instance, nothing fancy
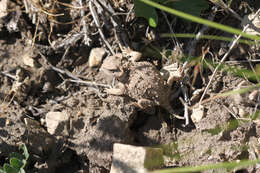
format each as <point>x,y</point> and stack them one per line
<point>74,78</point>
<point>87,40</point>
<point>223,59</point>
<point>119,32</point>
<point>96,20</point>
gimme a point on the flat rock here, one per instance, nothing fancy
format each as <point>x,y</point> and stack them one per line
<point>57,123</point>
<point>197,114</point>
<point>129,159</point>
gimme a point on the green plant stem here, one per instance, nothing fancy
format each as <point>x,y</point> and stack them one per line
<point>227,165</point>
<point>200,20</point>
<point>209,37</point>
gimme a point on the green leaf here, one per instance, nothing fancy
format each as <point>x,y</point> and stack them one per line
<point>2,170</point>
<point>193,7</point>
<point>146,11</point>
<point>16,155</point>
<point>9,169</point>
<point>16,163</point>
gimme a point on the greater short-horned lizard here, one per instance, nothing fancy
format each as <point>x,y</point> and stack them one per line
<point>140,81</point>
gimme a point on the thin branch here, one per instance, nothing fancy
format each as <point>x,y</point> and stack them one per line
<point>224,57</point>
<point>8,75</point>
<point>186,99</point>
<point>74,78</point>
<point>87,40</point>
<point>221,4</point>
<point>120,33</point>
<point>96,20</point>
<point>174,39</point>
<point>220,63</point>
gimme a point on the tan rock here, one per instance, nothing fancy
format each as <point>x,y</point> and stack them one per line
<point>253,95</point>
<point>96,56</point>
<point>254,24</point>
<point>129,159</point>
<point>3,8</point>
<point>197,114</point>
<point>57,123</point>
<point>28,59</point>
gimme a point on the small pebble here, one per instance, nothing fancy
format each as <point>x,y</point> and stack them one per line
<point>96,56</point>
<point>28,59</point>
<point>197,114</point>
<point>253,95</point>
<point>3,8</point>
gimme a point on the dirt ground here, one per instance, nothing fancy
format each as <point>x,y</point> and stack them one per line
<point>54,82</point>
